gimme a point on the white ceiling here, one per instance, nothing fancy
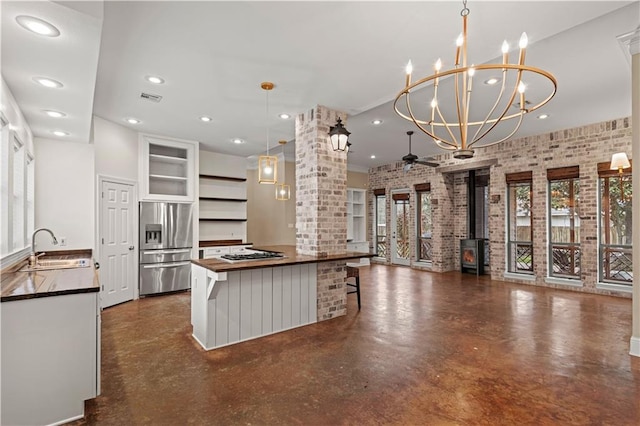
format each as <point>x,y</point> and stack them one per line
<point>348,56</point>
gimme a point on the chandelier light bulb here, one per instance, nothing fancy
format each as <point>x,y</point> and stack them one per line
<point>521,87</point>
<point>472,72</point>
<point>267,170</point>
<point>524,40</point>
<point>459,40</point>
<point>438,65</point>
<point>434,103</point>
<point>409,70</point>
<point>505,47</point>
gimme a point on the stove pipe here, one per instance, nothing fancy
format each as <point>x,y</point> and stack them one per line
<point>471,205</point>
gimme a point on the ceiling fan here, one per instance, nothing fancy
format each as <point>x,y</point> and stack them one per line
<point>411,159</point>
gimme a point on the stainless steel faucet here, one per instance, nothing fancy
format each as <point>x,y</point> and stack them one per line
<point>33,258</point>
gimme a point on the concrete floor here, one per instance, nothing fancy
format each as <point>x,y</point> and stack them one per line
<point>428,349</point>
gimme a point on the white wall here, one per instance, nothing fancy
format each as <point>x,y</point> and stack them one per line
<point>64,193</point>
<point>116,150</point>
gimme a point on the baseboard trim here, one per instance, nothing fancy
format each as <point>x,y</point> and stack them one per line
<point>634,346</point>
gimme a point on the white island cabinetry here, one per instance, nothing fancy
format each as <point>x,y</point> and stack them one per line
<point>230,307</point>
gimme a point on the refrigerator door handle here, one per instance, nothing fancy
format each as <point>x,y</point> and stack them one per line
<point>172,251</point>
<point>165,265</point>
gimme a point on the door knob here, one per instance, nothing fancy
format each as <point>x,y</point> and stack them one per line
<point>131,247</point>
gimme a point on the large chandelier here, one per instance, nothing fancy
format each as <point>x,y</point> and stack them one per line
<point>455,126</point>
<point>267,164</point>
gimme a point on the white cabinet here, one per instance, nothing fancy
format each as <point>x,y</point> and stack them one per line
<point>50,358</point>
<point>167,169</point>
<point>356,215</point>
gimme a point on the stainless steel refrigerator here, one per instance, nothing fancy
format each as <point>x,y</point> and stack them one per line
<point>166,239</point>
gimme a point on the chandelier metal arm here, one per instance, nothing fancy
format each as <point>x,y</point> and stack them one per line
<point>546,74</point>
<point>419,123</point>
<point>509,135</point>
<point>495,105</point>
<point>494,122</point>
<point>454,141</point>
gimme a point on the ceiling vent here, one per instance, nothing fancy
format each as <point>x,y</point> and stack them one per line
<point>150,97</point>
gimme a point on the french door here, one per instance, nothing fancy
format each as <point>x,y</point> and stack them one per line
<point>400,228</point>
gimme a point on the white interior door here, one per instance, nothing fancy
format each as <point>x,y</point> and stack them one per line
<point>400,228</point>
<point>117,254</point>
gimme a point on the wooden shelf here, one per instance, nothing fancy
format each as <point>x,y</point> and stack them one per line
<point>167,158</point>
<point>165,177</point>
<point>232,179</point>
<point>239,200</point>
<point>204,219</point>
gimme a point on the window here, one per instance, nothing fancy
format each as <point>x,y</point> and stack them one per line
<point>564,222</point>
<point>615,228</point>
<point>425,222</point>
<point>519,223</point>
<point>17,185</point>
<point>380,224</point>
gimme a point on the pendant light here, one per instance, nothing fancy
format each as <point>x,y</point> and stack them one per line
<point>283,191</point>
<point>267,164</point>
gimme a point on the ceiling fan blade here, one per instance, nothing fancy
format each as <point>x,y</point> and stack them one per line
<point>407,167</point>
<point>427,163</point>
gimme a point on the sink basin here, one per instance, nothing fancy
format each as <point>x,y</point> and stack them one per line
<point>47,264</point>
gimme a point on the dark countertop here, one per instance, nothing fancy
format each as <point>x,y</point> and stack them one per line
<point>53,282</point>
<point>291,258</point>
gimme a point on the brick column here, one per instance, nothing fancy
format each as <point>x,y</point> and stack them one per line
<point>321,205</point>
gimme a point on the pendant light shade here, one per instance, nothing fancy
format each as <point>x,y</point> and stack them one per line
<point>339,136</point>
<point>267,164</point>
<point>267,169</point>
<point>283,192</point>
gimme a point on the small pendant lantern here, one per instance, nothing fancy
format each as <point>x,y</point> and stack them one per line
<point>283,191</point>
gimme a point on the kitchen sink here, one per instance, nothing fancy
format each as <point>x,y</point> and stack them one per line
<point>48,264</point>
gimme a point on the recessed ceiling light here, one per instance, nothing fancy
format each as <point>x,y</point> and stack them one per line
<point>543,116</point>
<point>376,122</point>
<point>492,81</point>
<point>133,121</point>
<point>237,141</point>
<point>205,119</point>
<point>373,156</point>
<point>155,79</point>
<point>38,26</point>
<point>54,114</point>
<point>47,82</point>
<point>284,116</point>
<point>60,133</point>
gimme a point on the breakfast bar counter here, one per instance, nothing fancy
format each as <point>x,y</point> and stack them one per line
<point>233,302</point>
<point>291,257</point>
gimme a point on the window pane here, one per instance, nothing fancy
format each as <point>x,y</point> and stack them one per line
<point>519,228</point>
<point>425,226</point>
<point>381,226</point>
<point>616,263</point>
<point>18,199</point>
<point>564,225</point>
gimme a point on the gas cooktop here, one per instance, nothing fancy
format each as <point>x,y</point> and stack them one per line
<point>259,255</point>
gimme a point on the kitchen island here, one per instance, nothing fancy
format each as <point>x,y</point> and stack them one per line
<point>50,342</point>
<point>234,302</point>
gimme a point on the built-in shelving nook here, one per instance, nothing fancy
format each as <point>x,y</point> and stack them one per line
<point>222,197</point>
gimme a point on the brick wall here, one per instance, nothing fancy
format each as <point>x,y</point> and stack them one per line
<point>321,205</point>
<point>582,146</point>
